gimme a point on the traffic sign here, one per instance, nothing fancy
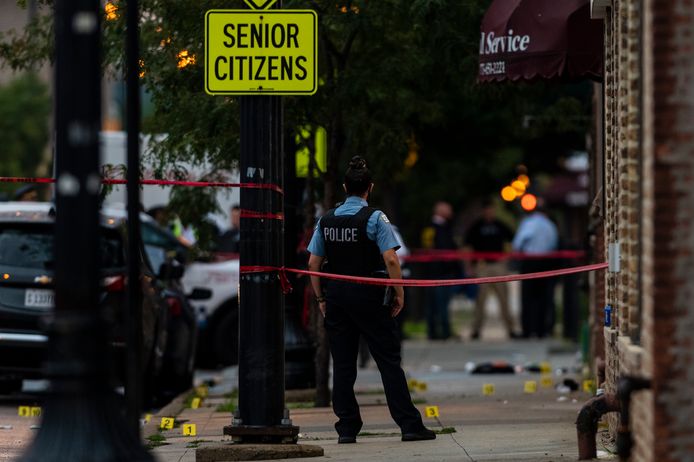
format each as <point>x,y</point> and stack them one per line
<point>261,52</point>
<point>260,4</point>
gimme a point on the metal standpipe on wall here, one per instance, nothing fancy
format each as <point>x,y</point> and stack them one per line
<point>81,418</point>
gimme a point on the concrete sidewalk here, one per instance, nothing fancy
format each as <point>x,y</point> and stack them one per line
<point>510,425</point>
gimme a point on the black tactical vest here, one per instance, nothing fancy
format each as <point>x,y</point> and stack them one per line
<point>348,249</point>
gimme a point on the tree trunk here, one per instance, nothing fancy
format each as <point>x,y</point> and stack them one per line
<point>335,146</point>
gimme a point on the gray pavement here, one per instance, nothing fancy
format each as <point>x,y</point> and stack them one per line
<point>510,425</point>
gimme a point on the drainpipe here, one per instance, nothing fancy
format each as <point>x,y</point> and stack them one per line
<point>627,385</point>
<point>587,423</point>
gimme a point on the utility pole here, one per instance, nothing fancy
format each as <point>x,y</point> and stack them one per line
<point>261,416</point>
<point>81,419</point>
<point>133,381</point>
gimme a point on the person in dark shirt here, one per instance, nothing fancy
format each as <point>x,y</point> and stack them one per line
<point>439,236</point>
<point>229,241</point>
<point>489,234</point>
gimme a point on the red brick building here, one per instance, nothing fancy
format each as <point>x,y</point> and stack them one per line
<point>643,177</point>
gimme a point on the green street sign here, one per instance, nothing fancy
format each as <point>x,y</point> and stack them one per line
<point>261,52</point>
<point>260,4</point>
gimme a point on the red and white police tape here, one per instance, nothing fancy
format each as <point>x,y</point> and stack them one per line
<point>286,286</point>
<point>118,181</point>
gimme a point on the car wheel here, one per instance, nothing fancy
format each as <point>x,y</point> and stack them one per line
<point>9,386</point>
<point>226,339</point>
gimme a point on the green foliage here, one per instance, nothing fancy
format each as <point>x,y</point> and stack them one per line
<point>446,431</point>
<point>156,440</point>
<point>227,406</point>
<point>24,110</point>
<point>390,71</point>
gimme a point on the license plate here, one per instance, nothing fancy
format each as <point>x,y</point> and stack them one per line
<point>39,298</point>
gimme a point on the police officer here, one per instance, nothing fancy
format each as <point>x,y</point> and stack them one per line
<point>357,240</point>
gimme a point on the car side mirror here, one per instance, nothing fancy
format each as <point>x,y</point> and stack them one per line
<point>200,294</point>
<point>171,270</point>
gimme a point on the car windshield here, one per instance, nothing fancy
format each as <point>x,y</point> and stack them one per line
<point>32,247</point>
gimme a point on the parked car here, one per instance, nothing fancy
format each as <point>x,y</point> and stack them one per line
<point>26,297</point>
<point>214,286</point>
<point>219,323</point>
<point>217,316</point>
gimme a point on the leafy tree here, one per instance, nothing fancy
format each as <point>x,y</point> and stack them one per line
<point>392,72</point>
<point>24,110</point>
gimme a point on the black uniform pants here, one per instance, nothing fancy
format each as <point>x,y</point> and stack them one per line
<point>353,310</point>
<point>537,300</point>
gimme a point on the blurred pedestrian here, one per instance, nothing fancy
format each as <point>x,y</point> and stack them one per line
<point>439,236</point>
<point>490,235</point>
<point>230,240</point>
<point>537,234</point>
<point>357,240</point>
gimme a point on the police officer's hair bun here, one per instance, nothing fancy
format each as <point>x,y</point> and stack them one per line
<point>357,163</point>
<point>358,177</point>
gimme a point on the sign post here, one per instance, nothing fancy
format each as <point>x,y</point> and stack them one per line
<point>261,54</point>
<point>82,419</point>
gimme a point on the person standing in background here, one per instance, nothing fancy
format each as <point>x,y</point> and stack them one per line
<point>229,241</point>
<point>537,234</point>
<point>489,234</point>
<point>439,236</point>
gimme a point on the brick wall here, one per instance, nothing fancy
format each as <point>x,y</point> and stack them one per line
<point>649,194</point>
<point>671,134</point>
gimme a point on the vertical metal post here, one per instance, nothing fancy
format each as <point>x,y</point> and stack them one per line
<point>133,386</point>
<point>261,417</point>
<point>81,420</point>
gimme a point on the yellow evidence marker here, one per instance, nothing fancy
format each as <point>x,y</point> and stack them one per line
<point>412,384</point>
<point>189,430</point>
<point>547,381</point>
<point>530,386</point>
<point>545,367</point>
<point>195,403</point>
<point>36,411</point>
<point>202,391</point>
<point>488,389</point>
<point>167,423</point>
<point>588,386</point>
<point>24,411</point>
<point>147,418</point>
<point>431,411</point>
<point>421,386</point>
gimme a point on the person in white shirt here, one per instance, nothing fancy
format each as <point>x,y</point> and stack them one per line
<point>537,234</point>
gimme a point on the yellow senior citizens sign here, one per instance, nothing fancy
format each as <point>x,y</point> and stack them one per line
<point>261,52</point>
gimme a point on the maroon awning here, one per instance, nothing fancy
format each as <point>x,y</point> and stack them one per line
<point>531,39</point>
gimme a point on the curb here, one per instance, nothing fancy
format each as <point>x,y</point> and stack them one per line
<point>173,409</point>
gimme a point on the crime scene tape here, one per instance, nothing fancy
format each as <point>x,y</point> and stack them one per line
<point>432,255</point>
<point>118,181</point>
<point>286,286</point>
<point>261,215</point>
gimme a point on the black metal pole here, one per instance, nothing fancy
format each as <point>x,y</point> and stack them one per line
<point>133,386</point>
<point>81,421</point>
<point>261,416</point>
